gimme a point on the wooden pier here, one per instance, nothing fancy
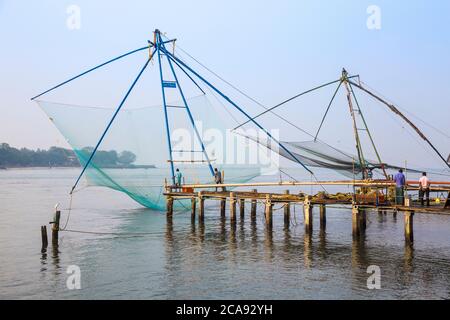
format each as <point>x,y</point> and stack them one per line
<point>356,203</point>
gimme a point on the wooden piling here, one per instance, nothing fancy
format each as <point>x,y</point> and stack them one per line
<point>242,208</point>
<point>268,210</point>
<point>223,202</point>
<point>307,213</point>
<point>253,207</point>
<point>409,219</point>
<point>380,213</point>
<point>55,228</point>
<point>362,219</point>
<point>287,211</point>
<point>232,207</point>
<point>44,238</point>
<point>323,216</point>
<point>201,206</point>
<point>193,207</point>
<point>355,221</point>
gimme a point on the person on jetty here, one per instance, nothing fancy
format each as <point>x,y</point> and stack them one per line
<point>424,189</point>
<point>400,183</point>
<point>218,178</point>
<point>178,177</point>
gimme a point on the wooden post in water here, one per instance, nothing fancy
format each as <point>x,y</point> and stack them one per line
<point>287,212</point>
<point>253,207</point>
<point>44,238</point>
<point>201,205</point>
<point>323,216</point>
<point>232,207</point>
<point>268,210</point>
<point>307,213</point>
<point>223,202</point>
<point>242,208</point>
<point>355,220</point>
<point>380,213</point>
<point>362,219</point>
<point>409,219</point>
<point>193,207</point>
<point>169,208</point>
<point>55,228</point>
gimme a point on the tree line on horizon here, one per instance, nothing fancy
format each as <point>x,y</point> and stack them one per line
<point>11,157</point>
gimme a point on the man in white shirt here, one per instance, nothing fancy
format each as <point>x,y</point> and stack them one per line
<point>424,189</point>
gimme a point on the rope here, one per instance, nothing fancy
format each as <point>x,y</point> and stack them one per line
<point>68,215</point>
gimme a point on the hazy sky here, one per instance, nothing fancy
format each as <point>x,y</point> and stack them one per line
<point>270,49</point>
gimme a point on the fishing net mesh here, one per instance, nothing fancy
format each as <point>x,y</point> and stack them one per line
<point>133,157</point>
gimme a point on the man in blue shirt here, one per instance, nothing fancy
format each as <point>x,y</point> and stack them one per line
<point>178,177</point>
<point>400,183</point>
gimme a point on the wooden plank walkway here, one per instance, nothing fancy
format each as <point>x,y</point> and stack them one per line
<point>308,202</point>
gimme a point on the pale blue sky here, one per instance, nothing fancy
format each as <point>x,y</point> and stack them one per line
<point>270,49</point>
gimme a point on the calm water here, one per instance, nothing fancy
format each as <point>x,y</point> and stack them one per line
<point>192,261</point>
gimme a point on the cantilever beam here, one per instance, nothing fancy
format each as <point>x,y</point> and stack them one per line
<point>181,63</point>
<point>88,71</point>
<point>401,115</point>
<point>290,99</point>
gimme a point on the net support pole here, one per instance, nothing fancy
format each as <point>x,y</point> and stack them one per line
<point>110,123</point>
<point>368,132</point>
<point>191,118</point>
<point>359,150</point>
<point>292,98</point>
<point>166,116</point>
<point>90,70</point>
<point>235,106</point>
<point>328,109</point>
<point>401,115</point>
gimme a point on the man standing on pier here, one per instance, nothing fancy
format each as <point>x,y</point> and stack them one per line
<point>178,177</point>
<point>400,183</point>
<point>218,178</point>
<point>424,189</point>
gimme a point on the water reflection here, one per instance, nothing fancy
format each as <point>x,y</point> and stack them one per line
<point>307,249</point>
<point>268,243</point>
<point>359,252</point>
<point>235,251</point>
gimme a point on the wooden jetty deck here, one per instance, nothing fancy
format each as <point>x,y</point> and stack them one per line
<point>359,205</point>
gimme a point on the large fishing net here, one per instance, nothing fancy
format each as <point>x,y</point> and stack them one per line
<point>133,156</point>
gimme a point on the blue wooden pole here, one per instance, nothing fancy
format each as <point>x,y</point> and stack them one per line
<point>110,123</point>
<point>166,117</point>
<point>236,106</point>
<point>189,114</point>
<point>86,72</point>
